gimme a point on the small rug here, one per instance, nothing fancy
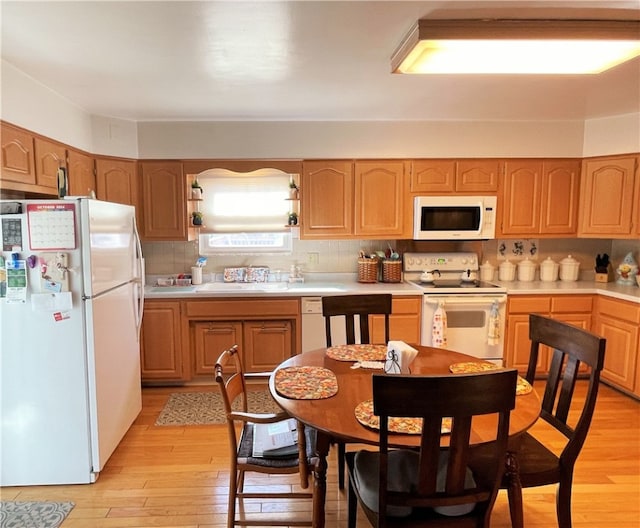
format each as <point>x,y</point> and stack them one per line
<point>206,408</point>
<point>15,514</point>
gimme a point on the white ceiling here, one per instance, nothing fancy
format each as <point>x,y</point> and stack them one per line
<point>304,60</point>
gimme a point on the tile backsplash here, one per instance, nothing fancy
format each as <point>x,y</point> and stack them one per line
<point>323,256</point>
<point>340,256</point>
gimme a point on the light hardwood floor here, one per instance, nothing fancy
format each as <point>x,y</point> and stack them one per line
<point>177,477</point>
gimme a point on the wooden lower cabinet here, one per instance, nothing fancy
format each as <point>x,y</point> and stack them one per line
<point>266,344</point>
<point>266,330</point>
<point>209,340</point>
<point>618,322</point>
<point>404,323</point>
<point>572,309</point>
<point>161,352</point>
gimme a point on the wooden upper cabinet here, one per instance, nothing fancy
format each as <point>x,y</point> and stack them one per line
<point>636,200</point>
<point>163,200</point>
<point>521,196</point>
<point>82,173</point>
<point>380,196</point>
<point>444,176</point>
<point>540,197</point>
<point>327,198</point>
<point>17,155</point>
<point>433,176</point>
<point>607,197</point>
<point>116,181</point>
<point>560,197</point>
<point>49,157</point>
<point>479,175</point>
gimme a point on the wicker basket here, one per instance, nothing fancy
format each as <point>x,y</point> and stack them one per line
<point>391,270</point>
<point>368,270</point>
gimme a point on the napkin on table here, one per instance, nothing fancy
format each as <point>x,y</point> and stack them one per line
<point>399,357</point>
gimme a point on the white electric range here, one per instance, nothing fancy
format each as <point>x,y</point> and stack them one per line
<point>474,310</point>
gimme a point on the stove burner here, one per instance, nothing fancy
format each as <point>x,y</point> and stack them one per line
<point>454,284</point>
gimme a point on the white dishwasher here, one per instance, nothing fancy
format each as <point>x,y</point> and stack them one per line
<point>313,333</point>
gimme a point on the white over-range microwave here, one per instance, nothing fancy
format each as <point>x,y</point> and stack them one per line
<point>454,217</point>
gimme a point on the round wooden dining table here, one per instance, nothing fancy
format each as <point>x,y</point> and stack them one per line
<point>334,417</point>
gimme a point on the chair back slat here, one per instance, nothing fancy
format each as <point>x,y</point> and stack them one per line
<point>350,306</point>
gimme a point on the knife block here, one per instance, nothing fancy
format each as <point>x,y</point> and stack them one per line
<point>604,277</point>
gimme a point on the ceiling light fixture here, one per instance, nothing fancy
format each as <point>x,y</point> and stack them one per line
<point>517,46</point>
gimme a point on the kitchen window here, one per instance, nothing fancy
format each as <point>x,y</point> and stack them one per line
<point>244,212</point>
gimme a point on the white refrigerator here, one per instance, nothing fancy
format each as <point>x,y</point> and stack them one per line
<point>70,313</point>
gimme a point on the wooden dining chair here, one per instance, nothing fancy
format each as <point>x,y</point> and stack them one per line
<point>534,464</point>
<point>350,306</point>
<point>432,486</point>
<point>233,386</point>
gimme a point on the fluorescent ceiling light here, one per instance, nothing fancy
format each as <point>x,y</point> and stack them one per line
<point>517,46</point>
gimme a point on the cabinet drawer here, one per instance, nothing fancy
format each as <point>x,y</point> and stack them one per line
<point>529,304</point>
<point>572,304</point>
<point>406,305</point>
<point>623,310</point>
<point>242,308</point>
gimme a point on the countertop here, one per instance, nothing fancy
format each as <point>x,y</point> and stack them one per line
<point>345,283</point>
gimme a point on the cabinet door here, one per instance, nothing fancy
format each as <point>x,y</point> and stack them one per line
<point>404,322</point>
<point>327,199</point>
<point>518,346</point>
<point>82,175</point>
<point>380,197</point>
<point>606,197</point>
<point>620,356</point>
<point>559,205</point>
<point>49,158</point>
<point>17,155</point>
<point>210,339</point>
<point>479,176</point>
<point>116,181</point>
<point>266,344</point>
<point>161,350</point>
<point>522,189</point>
<point>163,200</point>
<point>433,176</point>
<point>619,322</point>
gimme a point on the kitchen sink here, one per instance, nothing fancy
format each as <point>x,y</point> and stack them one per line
<point>265,287</point>
<point>222,287</point>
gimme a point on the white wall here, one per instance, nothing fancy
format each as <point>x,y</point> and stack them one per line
<point>375,139</point>
<point>31,105</point>
<point>27,103</point>
<point>612,135</point>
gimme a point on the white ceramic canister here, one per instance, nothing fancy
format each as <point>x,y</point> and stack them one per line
<point>487,271</point>
<point>569,268</point>
<point>549,270</point>
<point>507,271</point>
<point>526,270</point>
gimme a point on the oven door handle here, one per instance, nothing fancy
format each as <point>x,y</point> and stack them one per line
<point>465,300</point>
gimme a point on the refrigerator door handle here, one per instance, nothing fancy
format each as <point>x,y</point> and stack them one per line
<point>140,282</point>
